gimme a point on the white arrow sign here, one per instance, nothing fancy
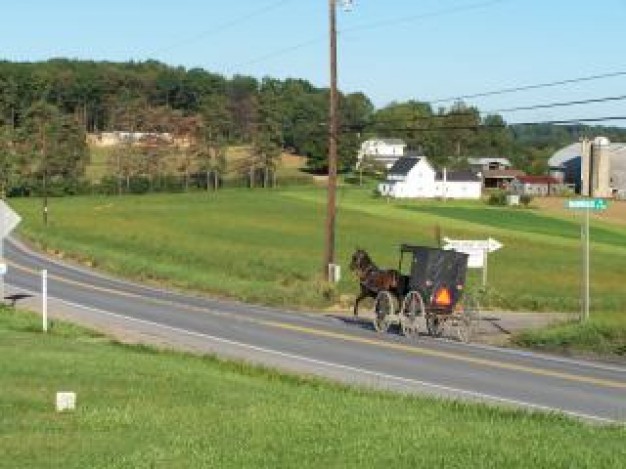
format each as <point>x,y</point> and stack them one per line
<point>8,219</point>
<point>467,245</point>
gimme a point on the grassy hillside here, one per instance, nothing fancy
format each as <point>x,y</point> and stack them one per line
<point>139,407</point>
<point>266,246</point>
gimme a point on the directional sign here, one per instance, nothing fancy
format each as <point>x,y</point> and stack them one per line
<point>466,245</point>
<point>476,259</point>
<point>591,204</point>
<point>477,249</point>
<point>8,219</point>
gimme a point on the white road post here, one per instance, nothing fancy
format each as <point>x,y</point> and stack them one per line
<point>44,299</point>
<point>485,255</point>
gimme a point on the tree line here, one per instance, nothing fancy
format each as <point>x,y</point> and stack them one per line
<point>47,108</point>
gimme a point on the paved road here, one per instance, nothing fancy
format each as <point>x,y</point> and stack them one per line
<point>330,346</point>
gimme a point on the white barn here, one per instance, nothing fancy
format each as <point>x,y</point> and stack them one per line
<point>414,177</point>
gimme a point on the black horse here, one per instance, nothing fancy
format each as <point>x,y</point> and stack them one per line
<point>372,279</point>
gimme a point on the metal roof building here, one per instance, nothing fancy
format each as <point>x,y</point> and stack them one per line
<point>568,161</point>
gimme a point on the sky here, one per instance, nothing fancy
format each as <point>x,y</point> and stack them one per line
<point>391,50</point>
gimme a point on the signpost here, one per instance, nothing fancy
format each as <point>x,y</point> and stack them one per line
<point>477,250</point>
<point>8,221</point>
<point>587,205</point>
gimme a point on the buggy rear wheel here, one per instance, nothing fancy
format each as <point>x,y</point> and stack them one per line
<point>412,309</point>
<point>434,324</point>
<point>382,310</point>
<point>469,322</point>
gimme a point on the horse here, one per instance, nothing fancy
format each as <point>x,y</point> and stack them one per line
<point>372,279</point>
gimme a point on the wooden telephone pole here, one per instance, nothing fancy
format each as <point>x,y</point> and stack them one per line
<point>331,209</point>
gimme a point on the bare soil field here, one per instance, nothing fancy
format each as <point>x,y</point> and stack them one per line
<point>616,213</point>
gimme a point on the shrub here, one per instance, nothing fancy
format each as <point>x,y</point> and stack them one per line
<point>497,198</point>
<point>525,199</point>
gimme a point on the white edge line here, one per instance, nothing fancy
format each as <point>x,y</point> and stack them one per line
<point>481,396</point>
<point>489,348</point>
<point>530,354</point>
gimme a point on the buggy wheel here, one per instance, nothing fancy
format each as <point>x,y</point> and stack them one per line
<point>382,310</point>
<point>412,309</point>
<point>434,324</point>
<point>469,320</point>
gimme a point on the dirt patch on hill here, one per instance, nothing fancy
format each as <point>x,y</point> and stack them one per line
<point>289,160</point>
<point>615,213</point>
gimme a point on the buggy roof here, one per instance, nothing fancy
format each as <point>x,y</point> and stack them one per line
<point>433,266</point>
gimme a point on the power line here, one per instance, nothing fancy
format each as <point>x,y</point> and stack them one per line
<point>224,26</point>
<point>453,115</point>
<point>559,104</point>
<point>579,121</point>
<point>421,16</point>
<point>280,52</point>
<point>351,128</point>
<point>572,121</point>
<point>530,87</point>
<point>369,26</point>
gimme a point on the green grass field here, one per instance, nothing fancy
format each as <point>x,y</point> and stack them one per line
<point>603,334</point>
<point>139,407</point>
<point>266,246</point>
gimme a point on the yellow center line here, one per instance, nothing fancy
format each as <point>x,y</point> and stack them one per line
<point>353,339</point>
<point>447,355</point>
<point>118,292</point>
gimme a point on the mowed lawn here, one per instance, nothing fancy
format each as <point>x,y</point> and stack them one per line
<point>138,407</point>
<point>266,246</point>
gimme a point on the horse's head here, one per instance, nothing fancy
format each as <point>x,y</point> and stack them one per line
<point>360,261</point>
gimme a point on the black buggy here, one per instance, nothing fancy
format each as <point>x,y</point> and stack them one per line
<point>432,293</point>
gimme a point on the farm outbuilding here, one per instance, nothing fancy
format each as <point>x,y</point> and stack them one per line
<point>383,151</point>
<point>536,185</point>
<point>567,165</point>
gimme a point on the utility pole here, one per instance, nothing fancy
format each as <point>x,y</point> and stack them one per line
<point>44,160</point>
<point>331,211</point>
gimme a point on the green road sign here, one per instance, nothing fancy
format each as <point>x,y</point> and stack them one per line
<point>592,204</point>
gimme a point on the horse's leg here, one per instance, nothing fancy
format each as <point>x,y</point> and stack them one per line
<point>362,295</point>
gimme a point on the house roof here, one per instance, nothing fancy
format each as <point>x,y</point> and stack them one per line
<point>391,141</point>
<point>458,176</point>
<point>388,141</point>
<point>502,173</point>
<point>404,165</point>
<point>537,180</point>
<point>486,160</point>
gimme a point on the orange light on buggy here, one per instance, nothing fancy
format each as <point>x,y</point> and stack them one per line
<point>443,297</point>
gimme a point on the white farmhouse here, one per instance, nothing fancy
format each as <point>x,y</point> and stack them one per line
<point>385,151</point>
<point>414,177</point>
